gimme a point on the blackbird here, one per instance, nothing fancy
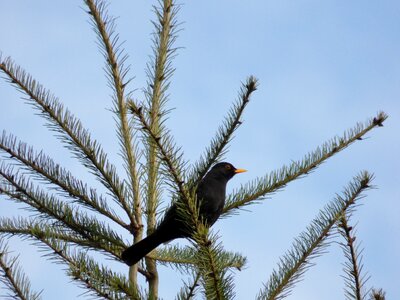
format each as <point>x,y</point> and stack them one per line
<point>211,198</point>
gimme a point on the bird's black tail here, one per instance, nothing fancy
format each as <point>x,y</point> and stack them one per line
<point>137,251</point>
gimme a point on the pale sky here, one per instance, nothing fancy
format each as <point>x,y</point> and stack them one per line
<point>323,66</point>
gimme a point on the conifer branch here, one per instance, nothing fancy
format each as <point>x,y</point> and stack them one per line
<point>184,259</point>
<point>224,135</point>
<point>41,231</point>
<point>188,291</point>
<point>98,280</point>
<point>13,277</point>
<point>159,71</point>
<point>354,279</point>
<point>27,227</point>
<point>276,180</point>
<point>100,235</point>
<point>171,156</point>
<point>70,129</point>
<point>105,280</point>
<point>43,167</point>
<point>217,283</point>
<point>60,254</point>
<point>312,242</point>
<point>108,40</point>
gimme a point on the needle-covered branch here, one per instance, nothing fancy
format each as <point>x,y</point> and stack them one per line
<point>224,135</point>
<point>40,231</point>
<point>12,276</point>
<point>100,235</point>
<point>171,156</point>
<point>68,127</point>
<point>30,228</point>
<point>217,282</point>
<point>44,168</point>
<point>159,72</point>
<point>276,180</point>
<point>184,259</point>
<point>354,277</point>
<point>26,227</point>
<point>101,277</point>
<point>98,280</point>
<point>189,290</point>
<point>108,40</point>
<point>312,242</point>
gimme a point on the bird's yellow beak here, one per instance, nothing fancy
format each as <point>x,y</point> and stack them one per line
<point>240,171</point>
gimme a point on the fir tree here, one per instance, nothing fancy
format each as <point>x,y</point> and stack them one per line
<point>75,217</point>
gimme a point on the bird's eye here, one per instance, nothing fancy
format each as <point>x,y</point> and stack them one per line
<point>228,167</point>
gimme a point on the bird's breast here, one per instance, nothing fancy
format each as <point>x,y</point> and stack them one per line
<point>211,196</point>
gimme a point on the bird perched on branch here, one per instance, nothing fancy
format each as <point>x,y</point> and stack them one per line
<point>211,198</point>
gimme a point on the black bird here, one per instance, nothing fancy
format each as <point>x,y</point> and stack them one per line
<point>211,198</point>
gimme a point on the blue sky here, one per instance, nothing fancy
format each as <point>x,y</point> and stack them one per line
<point>322,66</point>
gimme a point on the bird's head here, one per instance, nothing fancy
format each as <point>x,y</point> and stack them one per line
<point>225,170</point>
